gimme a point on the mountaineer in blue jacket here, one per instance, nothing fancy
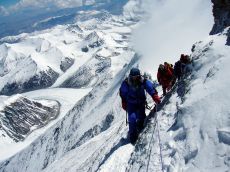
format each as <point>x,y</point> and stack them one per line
<point>133,96</point>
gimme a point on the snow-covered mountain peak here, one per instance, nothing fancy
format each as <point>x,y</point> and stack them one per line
<point>55,57</point>
<point>51,52</point>
<point>75,28</point>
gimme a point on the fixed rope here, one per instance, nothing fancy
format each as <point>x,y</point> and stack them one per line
<point>159,139</point>
<point>150,147</point>
<point>155,124</point>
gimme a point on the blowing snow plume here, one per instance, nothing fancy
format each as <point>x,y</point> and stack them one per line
<point>171,29</point>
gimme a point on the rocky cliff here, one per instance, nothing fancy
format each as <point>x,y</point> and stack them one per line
<point>20,116</point>
<point>221,13</point>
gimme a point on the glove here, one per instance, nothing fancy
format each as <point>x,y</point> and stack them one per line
<point>156,99</point>
<point>124,105</point>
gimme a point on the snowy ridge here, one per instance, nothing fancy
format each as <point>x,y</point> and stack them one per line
<point>77,127</point>
<point>37,60</point>
<point>39,18</point>
<point>193,126</point>
<point>90,58</point>
<point>110,59</point>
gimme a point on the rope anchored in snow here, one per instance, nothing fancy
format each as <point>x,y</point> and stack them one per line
<point>159,139</point>
<point>155,124</point>
<point>150,148</point>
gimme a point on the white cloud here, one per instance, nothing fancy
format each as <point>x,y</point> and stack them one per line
<point>45,3</point>
<point>173,27</point>
<point>59,4</point>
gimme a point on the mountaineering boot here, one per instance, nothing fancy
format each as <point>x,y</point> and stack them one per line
<point>140,125</point>
<point>133,138</point>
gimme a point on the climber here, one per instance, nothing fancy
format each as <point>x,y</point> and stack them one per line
<point>133,96</point>
<point>165,77</point>
<point>169,67</point>
<point>180,66</point>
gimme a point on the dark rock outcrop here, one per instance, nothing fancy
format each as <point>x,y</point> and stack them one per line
<point>85,49</point>
<point>93,40</point>
<point>221,13</point>
<point>75,28</point>
<point>42,80</point>
<point>86,75</point>
<point>66,63</point>
<point>23,115</point>
<point>228,40</point>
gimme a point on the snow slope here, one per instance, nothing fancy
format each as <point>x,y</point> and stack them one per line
<point>84,122</point>
<point>67,98</point>
<point>91,135</point>
<point>100,50</point>
<point>194,125</point>
<point>41,59</point>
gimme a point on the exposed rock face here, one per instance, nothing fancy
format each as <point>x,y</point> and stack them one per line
<point>66,63</point>
<point>87,75</point>
<point>75,28</point>
<point>221,13</point>
<point>22,115</point>
<point>93,40</point>
<point>42,80</point>
<point>228,40</point>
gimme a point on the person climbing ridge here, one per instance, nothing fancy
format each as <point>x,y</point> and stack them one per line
<point>180,66</point>
<point>165,77</point>
<point>169,67</point>
<point>133,97</point>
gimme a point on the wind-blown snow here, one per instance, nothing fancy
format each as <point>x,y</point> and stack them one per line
<point>170,28</point>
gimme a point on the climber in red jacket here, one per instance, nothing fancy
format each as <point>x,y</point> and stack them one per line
<point>165,77</point>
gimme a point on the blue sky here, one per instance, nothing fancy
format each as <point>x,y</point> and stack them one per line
<point>7,3</point>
